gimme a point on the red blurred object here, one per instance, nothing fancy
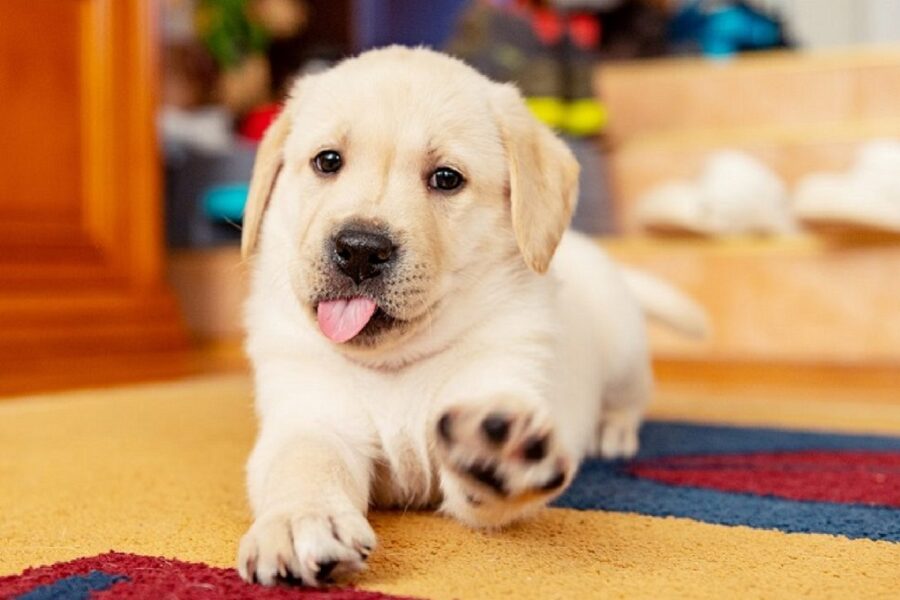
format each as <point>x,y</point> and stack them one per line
<point>584,30</point>
<point>548,26</point>
<point>255,123</point>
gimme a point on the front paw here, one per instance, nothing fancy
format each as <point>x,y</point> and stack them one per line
<point>504,460</point>
<point>313,547</point>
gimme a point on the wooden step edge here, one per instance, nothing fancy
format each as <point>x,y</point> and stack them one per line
<point>843,131</point>
<point>644,245</point>
<point>727,372</point>
<point>78,301</point>
<point>53,374</point>
<point>17,348</point>
<point>777,61</point>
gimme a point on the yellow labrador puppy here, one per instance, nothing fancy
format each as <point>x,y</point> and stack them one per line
<point>422,329</point>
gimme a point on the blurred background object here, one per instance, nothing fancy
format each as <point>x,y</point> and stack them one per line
<point>172,97</point>
<point>627,84</point>
<point>734,194</point>
<point>722,29</point>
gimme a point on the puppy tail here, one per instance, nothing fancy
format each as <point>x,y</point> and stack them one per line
<point>663,302</point>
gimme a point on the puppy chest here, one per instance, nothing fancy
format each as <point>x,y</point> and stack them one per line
<point>404,474</point>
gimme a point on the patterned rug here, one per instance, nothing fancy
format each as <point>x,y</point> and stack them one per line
<point>792,481</point>
<point>117,575</point>
<point>137,493</point>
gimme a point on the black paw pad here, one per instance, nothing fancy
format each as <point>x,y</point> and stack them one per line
<point>535,449</point>
<point>444,427</point>
<point>325,569</point>
<point>487,474</point>
<point>495,428</point>
<point>554,483</point>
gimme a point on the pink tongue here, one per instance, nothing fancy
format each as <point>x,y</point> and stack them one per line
<point>341,320</point>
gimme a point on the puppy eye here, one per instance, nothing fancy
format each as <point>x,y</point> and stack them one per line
<point>328,161</point>
<point>445,179</point>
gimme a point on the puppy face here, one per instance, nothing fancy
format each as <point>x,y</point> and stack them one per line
<point>393,179</point>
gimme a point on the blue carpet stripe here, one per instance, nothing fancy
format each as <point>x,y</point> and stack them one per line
<point>606,486</point>
<point>76,587</point>
<point>662,438</point>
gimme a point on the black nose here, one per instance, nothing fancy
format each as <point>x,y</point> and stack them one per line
<point>362,254</point>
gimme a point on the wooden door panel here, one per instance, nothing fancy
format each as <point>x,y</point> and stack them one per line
<point>80,215</point>
<point>77,85</point>
<point>41,100</point>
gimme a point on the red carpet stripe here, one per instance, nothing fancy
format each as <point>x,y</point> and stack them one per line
<point>850,477</point>
<point>132,576</point>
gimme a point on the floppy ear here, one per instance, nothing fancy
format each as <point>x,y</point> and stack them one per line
<point>269,159</point>
<point>543,178</point>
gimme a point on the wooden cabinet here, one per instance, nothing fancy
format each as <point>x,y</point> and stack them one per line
<point>81,246</point>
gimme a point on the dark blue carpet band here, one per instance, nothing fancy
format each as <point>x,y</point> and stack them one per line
<point>608,486</point>
<point>77,587</point>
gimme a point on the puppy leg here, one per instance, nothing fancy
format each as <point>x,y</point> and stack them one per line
<point>624,404</point>
<point>310,513</point>
<point>308,481</point>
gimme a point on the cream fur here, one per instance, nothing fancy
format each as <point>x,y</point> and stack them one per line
<point>345,427</point>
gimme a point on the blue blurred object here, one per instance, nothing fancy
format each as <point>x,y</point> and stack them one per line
<point>226,202</point>
<point>725,28</point>
<point>205,194</point>
<point>407,22</point>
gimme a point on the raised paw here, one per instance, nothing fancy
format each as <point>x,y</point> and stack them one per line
<point>503,457</point>
<point>314,548</point>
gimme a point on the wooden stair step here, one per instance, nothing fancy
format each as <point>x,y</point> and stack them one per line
<point>776,88</point>
<point>794,300</point>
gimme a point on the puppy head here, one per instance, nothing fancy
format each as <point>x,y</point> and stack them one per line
<point>397,177</point>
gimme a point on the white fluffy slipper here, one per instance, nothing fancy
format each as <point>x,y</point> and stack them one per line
<point>867,196</point>
<point>735,194</point>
